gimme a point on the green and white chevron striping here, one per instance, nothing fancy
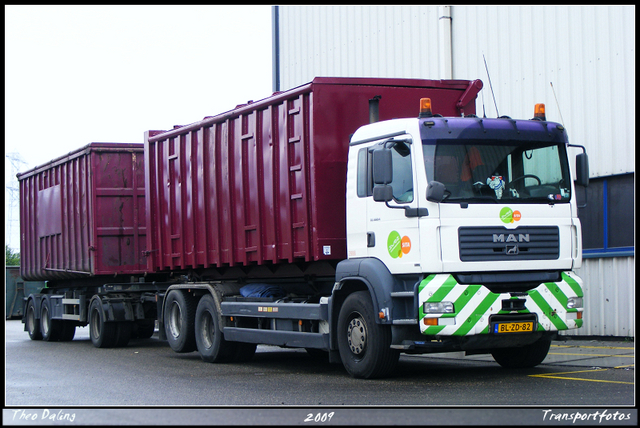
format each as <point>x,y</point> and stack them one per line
<point>474,304</point>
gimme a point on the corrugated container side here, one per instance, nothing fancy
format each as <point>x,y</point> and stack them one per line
<point>84,214</point>
<point>265,183</point>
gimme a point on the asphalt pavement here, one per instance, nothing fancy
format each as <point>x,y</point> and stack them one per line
<point>283,387</point>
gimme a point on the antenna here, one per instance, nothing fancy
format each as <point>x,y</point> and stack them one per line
<point>556,98</point>
<point>490,85</point>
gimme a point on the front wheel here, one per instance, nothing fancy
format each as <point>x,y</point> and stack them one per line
<point>365,346</point>
<point>523,357</point>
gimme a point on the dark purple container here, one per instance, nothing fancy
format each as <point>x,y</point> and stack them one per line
<point>265,183</point>
<point>83,214</point>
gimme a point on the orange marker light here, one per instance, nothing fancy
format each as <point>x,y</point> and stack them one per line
<point>425,107</point>
<point>430,321</point>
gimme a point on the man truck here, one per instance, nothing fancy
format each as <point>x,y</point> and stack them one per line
<point>357,218</point>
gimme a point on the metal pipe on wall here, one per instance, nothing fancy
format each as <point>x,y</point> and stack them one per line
<point>275,48</point>
<point>444,25</point>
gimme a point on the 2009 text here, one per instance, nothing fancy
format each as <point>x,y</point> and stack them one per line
<point>319,417</point>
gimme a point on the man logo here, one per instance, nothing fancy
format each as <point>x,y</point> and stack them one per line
<point>511,237</point>
<point>512,250</point>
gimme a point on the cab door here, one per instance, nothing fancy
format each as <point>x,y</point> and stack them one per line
<point>393,210</point>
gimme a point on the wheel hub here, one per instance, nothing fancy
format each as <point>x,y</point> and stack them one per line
<point>175,320</point>
<point>357,336</point>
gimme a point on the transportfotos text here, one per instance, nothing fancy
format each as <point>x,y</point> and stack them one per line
<point>597,416</point>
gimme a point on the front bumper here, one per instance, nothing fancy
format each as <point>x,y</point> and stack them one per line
<point>476,309</point>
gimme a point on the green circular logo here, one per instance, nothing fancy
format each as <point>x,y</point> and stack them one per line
<point>394,244</point>
<point>506,215</point>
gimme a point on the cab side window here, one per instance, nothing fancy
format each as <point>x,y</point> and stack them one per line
<point>402,183</point>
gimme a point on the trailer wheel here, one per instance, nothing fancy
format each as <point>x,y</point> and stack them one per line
<point>365,346</point>
<point>50,328</point>
<point>523,357</point>
<point>32,324</point>
<point>179,321</point>
<point>211,343</point>
<point>103,334</point>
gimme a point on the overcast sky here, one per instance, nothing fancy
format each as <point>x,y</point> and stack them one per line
<point>81,74</point>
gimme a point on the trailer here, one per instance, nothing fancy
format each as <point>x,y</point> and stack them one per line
<point>341,216</point>
<point>82,219</point>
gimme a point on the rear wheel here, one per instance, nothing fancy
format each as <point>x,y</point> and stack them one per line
<point>103,334</point>
<point>32,323</point>
<point>50,328</point>
<point>523,357</point>
<point>210,341</point>
<point>365,346</point>
<point>179,321</point>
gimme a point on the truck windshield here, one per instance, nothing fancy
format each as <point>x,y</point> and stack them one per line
<point>487,171</point>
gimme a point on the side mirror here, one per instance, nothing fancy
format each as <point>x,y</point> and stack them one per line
<point>435,191</point>
<point>382,193</point>
<point>582,169</point>
<point>382,166</point>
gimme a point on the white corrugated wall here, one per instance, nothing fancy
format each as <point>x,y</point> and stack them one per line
<point>587,52</point>
<point>356,41</point>
<point>609,297</point>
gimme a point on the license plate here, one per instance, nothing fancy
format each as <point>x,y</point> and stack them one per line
<point>513,327</point>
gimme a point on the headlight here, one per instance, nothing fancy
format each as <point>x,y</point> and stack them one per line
<point>438,308</point>
<point>574,302</point>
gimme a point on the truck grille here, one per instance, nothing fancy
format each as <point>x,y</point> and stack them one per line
<point>479,244</point>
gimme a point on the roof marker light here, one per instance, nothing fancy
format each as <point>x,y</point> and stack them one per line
<point>539,112</point>
<point>425,107</point>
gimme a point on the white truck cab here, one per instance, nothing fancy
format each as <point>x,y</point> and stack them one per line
<point>476,222</point>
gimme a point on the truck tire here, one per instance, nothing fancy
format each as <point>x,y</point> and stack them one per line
<point>50,328</point>
<point>103,334</point>
<point>523,357</point>
<point>31,322</point>
<point>179,321</point>
<point>365,346</point>
<point>210,341</point>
